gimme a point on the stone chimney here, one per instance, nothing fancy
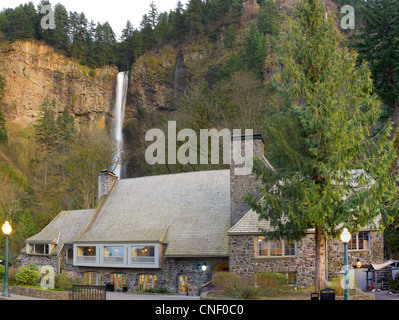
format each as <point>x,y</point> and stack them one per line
<point>106,180</point>
<point>241,183</point>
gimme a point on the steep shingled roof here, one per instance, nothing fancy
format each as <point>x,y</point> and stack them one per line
<point>189,211</point>
<point>64,228</point>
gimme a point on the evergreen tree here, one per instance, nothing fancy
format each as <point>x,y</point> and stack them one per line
<point>66,127</point>
<point>268,21</point>
<point>46,130</point>
<point>179,24</point>
<point>378,42</point>
<point>256,48</point>
<point>330,172</point>
<point>196,16</point>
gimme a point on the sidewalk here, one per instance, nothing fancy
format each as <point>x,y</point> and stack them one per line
<point>18,297</point>
<point>116,296</point>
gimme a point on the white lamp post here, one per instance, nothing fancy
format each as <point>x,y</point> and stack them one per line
<point>345,238</point>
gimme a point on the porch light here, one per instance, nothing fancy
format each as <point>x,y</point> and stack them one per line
<point>346,236</point>
<point>204,267</point>
<point>358,264</point>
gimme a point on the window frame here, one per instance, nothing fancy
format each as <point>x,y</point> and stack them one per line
<point>143,281</point>
<point>125,259</point>
<point>260,240</point>
<point>88,276</point>
<point>31,249</point>
<point>356,236</point>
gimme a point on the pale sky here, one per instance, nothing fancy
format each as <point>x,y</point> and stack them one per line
<point>116,12</point>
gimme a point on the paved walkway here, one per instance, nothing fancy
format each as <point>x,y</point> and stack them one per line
<point>117,296</point>
<point>131,296</point>
<point>384,295</point>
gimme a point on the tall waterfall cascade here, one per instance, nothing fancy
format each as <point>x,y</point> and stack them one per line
<point>119,115</point>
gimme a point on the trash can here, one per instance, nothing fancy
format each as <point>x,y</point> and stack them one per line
<point>314,296</point>
<point>327,294</point>
<point>109,287</point>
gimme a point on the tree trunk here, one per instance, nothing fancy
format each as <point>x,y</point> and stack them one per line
<point>320,276</point>
<point>395,116</point>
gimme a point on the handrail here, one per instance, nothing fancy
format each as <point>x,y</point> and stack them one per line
<point>206,284</point>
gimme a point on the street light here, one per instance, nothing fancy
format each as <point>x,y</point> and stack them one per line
<point>6,228</point>
<point>345,238</point>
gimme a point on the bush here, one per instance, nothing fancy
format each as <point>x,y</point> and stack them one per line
<point>271,282</point>
<point>394,284</point>
<point>244,291</point>
<point>159,290</point>
<point>225,280</point>
<point>27,276</point>
<point>64,282</point>
<point>2,271</point>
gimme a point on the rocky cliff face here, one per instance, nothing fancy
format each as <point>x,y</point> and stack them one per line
<point>157,78</point>
<point>35,72</point>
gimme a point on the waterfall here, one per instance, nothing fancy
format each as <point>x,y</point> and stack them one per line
<point>179,73</point>
<point>119,115</point>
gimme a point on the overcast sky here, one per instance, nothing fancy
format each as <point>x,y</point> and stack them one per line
<point>116,12</point>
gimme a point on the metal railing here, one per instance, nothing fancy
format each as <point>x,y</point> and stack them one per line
<point>82,292</point>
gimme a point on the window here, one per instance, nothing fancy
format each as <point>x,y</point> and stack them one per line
<point>147,281</point>
<point>275,248</point>
<point>113,254</point>
<point>87,254</point>
<point>40,249</point>
<point>92,278</point>
<point>360,241</point>
<point>291,276</point>
<point>130,255</point>
<point>183,284</point>
<point>143,254</point>
<point>69,257</point>
<point>119,281</point>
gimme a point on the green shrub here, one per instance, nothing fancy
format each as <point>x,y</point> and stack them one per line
<point>160,290</point>
<point>271,280</point>
<point>225,280</point>
<point>27,276</point>
<point>244,291</point>
<point>64,282</point>
<point>394,284</point>
<point>2,271</point>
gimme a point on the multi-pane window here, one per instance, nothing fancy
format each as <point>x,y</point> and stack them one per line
<point>92,278</point>
<point>147,281</point>
<point>275,248</point>
<point>291,277</point>
<point>39,249</point>
<point>360,241</point>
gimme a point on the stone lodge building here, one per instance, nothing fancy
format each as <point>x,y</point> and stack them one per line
<point>176,230</point>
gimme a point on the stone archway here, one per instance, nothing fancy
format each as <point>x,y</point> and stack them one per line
<point>220,267</point>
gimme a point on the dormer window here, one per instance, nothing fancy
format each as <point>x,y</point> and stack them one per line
<point>38,249</point>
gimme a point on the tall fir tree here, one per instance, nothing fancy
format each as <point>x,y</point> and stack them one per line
<point>330,172</point>
<point>378,42</point>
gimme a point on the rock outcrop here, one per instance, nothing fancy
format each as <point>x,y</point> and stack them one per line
<point>35,72</point>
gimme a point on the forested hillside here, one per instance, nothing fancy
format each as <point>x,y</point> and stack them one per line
<point>210,64</point>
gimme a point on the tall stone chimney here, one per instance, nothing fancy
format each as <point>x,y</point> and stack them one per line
<point>242,184</point>
<point>106,180</point>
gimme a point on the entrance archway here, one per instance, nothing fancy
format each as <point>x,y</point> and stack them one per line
<point>220,267</point>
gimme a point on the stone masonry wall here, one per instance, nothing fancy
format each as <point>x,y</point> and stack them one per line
<point>240,185</point>
<point>336,254</point>
<point>243,260</point>
<point>168,274</point>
